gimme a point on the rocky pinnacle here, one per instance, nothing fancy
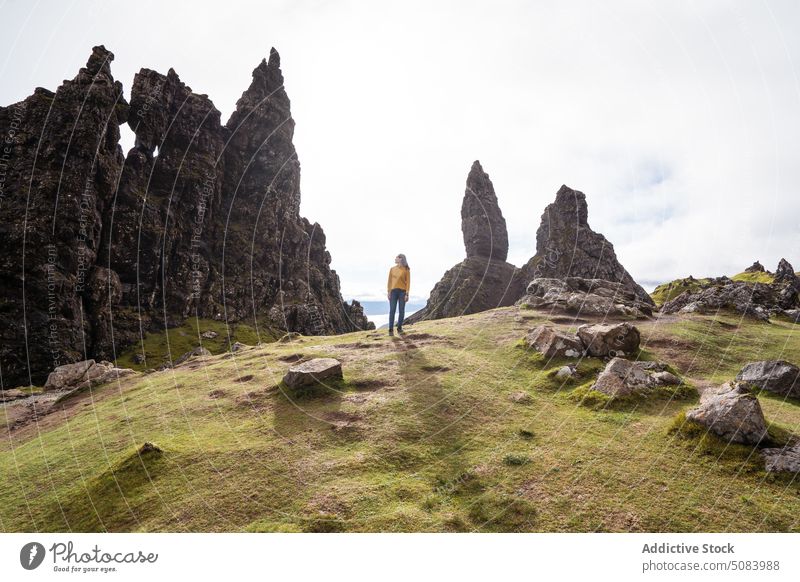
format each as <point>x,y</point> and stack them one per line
<point>482,223</point>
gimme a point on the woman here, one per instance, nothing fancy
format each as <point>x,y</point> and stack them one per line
<point>398,287</point>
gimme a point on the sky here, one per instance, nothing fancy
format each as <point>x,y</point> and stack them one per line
<point>679,120</point>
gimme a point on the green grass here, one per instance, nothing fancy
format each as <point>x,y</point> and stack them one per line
<point>756,277</point>
<point>164,346</point>
<point>420,435</point>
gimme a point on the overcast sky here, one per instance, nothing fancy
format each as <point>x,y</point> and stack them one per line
<point>679,120</point>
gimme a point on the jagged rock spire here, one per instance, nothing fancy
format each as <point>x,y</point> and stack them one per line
<point>482,223</point>
<point>567,247</point>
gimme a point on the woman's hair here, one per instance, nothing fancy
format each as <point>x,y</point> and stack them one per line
<point>403,261</point>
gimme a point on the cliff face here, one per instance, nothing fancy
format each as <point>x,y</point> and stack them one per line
<point>484,280</point>
<point>567,247</point>
<point>200,219</point>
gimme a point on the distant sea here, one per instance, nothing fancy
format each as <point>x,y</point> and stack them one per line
<point>378,311</point>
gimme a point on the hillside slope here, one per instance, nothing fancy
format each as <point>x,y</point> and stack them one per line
<point>422,435</point>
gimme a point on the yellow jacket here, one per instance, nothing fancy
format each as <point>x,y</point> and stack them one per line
<point>399,278</point>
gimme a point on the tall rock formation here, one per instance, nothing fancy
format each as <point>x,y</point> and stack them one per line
<point>200,219</point>
<point>567,247</point>
<point>482,223</point>
<point>484,280</point>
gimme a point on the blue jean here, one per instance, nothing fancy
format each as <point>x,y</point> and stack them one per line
<point>397,295</point>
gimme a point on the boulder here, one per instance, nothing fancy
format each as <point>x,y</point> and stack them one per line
<point>584,297</point>
<point>209,334</point>
<point>312,372</point>
<point>238,346</point>
<point>623,377</point>
<point>612,339</point>
<point>782,460</point>
<point>731,412</point>
<point>775,376</point>
<point>68,375</point>
<point>84,374</point>
<point>553,343</point>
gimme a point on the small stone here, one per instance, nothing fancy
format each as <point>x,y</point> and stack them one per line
<point>237,346</point>
<point>210,334</point>
<point>520,398</point>
<point>565,372</point>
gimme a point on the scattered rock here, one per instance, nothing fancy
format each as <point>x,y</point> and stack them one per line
<point>775,376</point>
<point>584,297</point>
<point>520,398</point>
<point>237,346</point>
<point>757,300</point>
<point>210,334</point>
<point>614,339</point>
<point>199,351</point>
<point>732,412</point>
<point>554,344</point>
<point>566,372</point>
<point>288,337</point>
<point>782,460</point>
<point>312,372</point>
<point>623,377</point>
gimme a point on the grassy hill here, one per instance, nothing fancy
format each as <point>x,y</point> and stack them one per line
<point>422,435</point>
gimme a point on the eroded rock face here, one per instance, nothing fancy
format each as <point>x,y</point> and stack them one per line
<point>757,300</point>
<point>623,377</point>
<point>732,412</point>
<point>312,372</point>
<point>584,296</point>
<point>484,280</point>
<point>609,339</point>
<point>200,219</point>
<point>567,247</point>
<point>775,376</point>
<point>553,343</point>
<point>60,174</point>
